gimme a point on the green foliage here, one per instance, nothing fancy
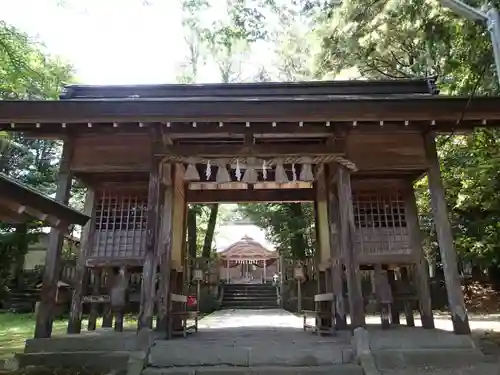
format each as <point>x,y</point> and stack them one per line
<point>26,72</point>
<point>401,39</point>
<point>289,225</point>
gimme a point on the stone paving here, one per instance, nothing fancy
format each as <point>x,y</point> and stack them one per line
<point>252,338</point>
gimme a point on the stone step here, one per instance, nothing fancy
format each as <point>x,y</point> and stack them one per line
<point>237,297</point>
<point>249,305</point>
<point>166,354</point>
<point>388,359</point>
<point>345,369</point>
<point>101,340</point>
<point>99,361</point>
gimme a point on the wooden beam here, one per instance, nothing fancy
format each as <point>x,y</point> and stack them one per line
<point>258,150</point>
<point>45,315</point>
<point>86,241</point>
<point>257,195</point>
<point>421,268</point>
<point>445,238</point>
<point>148,292</point>
<point>347,232</point>
<point>324,108</point>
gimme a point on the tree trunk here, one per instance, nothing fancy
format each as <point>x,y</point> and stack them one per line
<point>191,231</point>
<point>209,236</point>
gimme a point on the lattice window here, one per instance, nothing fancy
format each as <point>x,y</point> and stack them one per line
<point>121,220</point>
<point>379,211</point>
<point>380,223</point>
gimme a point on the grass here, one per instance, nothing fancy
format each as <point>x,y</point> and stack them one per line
<point>15,329</point>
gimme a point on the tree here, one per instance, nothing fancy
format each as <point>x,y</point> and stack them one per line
<point>225,42</point>
<point>397,39</point>
<point>26,72</point>
<point>288,225</point>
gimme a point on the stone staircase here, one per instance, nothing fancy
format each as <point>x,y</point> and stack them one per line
<point>249,296</point>
<point>262,352</point>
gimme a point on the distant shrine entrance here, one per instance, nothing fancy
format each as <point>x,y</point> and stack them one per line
<point>354,148</point>
<point>248,262</point>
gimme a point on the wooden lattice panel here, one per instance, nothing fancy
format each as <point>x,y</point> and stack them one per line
<point>121,220</point>
<point>380,223</point>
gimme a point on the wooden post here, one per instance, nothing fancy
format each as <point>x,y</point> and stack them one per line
<point>421,269</point>
<point>149,268</point>
<point>45,314</point>
<point>96,286</point>
<point>86,240</point>
<point>445,238</point>
<point>166,249</point>
<point>408,309</point>
<point>347,232</point>
<point>391,276</point>
<point>107,314</point>
<point>337,271</point>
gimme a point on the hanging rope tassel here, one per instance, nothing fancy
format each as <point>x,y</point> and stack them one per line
<point>208,171</point>
<point>238,170</point>
<point>222,175</point>
<point>306,173</point>
<point>250,176</point>
<point>191,173</point>
<point>280,174</point>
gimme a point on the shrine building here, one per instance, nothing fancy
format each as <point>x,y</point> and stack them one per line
<point>354,148</point>
<point>248,262</point>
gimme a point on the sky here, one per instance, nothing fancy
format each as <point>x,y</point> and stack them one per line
<point>107,41</point>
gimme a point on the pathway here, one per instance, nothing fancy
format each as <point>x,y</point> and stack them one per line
<point>252,338</point>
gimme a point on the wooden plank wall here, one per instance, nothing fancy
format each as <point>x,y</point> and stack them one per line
<point>112,153</point>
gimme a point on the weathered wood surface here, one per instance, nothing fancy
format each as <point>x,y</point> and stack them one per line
<point>389,108</point>
<point>347,230</point>
<point>166,251</point>
<point>255,195</point>
<point>45,315</point>
<point>112,153</point>
<point>149,267</point>
<point>421,269</point>
<point>445,238</point>
<point>336,270</point>
<point>87,235</point>
<point>96,285</point>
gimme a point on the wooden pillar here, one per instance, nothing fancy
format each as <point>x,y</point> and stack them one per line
<point>336,271</point>
<point>445,238</point>
<point>391,276</point>
<point>44,317</point>
<point>166,249</point>
<point>421,268</point>
<point>149,267</point>
<point>107,314</point>
<point>96,276</point>
<point>347,232</point>
<point>86,240</point>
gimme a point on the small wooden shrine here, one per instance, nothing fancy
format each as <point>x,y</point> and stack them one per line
<point>353,147</point>
<point>247,261</point>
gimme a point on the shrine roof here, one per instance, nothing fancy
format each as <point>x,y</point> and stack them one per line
<point>20,203</point>
<point>212,91</point>
<point>413,102</point>
<point>247,247</point>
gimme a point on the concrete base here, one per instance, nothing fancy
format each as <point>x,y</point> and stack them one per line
<point>409,351</point>
<point>265,370</point>
<point>100,350</point>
